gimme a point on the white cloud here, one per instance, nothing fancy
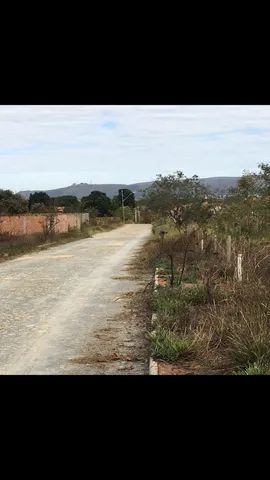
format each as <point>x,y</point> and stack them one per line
<point>40,144</point>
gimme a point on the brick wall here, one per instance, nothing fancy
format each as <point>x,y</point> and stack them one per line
<point>20,225</point>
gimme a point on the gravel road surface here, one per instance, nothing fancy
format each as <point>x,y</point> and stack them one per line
<point>62,308</point>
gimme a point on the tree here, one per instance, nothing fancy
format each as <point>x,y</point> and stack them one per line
<point>176,196</point>
<point>247,185</point>
<point>70,202</point>
<point>99,201</point>
<point>129,215</point>
<point>39,197</point>
<point>38,208</point>
<point>115,203</point>
<point>12,203</point>
<point>128,196</point>
<point>264,176</point>
<point>246,209</point>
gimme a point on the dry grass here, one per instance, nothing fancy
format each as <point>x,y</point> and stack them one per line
<point>227,322</point>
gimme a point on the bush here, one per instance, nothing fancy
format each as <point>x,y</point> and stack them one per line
<point>129,215</point>
<point>38,208</point>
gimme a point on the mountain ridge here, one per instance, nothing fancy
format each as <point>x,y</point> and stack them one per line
<point>217,185</point>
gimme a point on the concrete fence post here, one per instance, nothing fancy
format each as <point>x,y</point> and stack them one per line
<point>239,267</point>
<point>202,245</point>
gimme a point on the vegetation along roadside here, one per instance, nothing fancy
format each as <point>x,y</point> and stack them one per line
<point>213,255</point>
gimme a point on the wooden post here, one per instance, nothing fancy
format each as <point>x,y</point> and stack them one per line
<point>135,215</point>
<point>239,267</point>
<point>229,249</point>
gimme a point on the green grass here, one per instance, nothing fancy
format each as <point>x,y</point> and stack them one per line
<point>189,277</point>
<point>165,345</point>
<point>163,263</point>
<point>254,369</point>
<point>195,296</point>
<point>172,300</point>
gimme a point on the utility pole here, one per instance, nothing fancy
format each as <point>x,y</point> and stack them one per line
<point>123,199</point>
<point>123,208</point>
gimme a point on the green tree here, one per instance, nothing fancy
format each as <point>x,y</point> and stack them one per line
<point>128,196</point>
<point>39,197</point>
<point>99,201</point>
<point>247,185</point>
<point>12,203</point>
<point>264,177</point>
<point>38,208</point>
<point>69,202</point>
<point>115,203</point>
<point>177,196</point>
<point>128,213</point>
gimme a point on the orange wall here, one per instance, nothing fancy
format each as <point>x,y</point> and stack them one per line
<point>19,225</point>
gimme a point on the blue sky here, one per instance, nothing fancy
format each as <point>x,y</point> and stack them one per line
<point>43,147</point>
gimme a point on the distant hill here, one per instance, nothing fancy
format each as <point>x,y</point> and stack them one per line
<point>217,185</point>
<point>83,189</point>
<point>220,185</point>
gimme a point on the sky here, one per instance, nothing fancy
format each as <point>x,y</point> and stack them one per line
<point>45,147</point>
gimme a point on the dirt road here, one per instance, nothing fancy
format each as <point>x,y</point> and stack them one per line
<point>61,308</point>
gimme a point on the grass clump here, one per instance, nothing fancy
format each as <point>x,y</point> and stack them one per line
<point>258,368</point>
<point>166,345</point>
<point>248,349</point>
<point>237,329</point>
<point>195,296</point>
<point>172,301</point>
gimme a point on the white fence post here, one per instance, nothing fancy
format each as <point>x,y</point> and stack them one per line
<point>156,280</point>
<point>202,242</point>
<point>239,267</point>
